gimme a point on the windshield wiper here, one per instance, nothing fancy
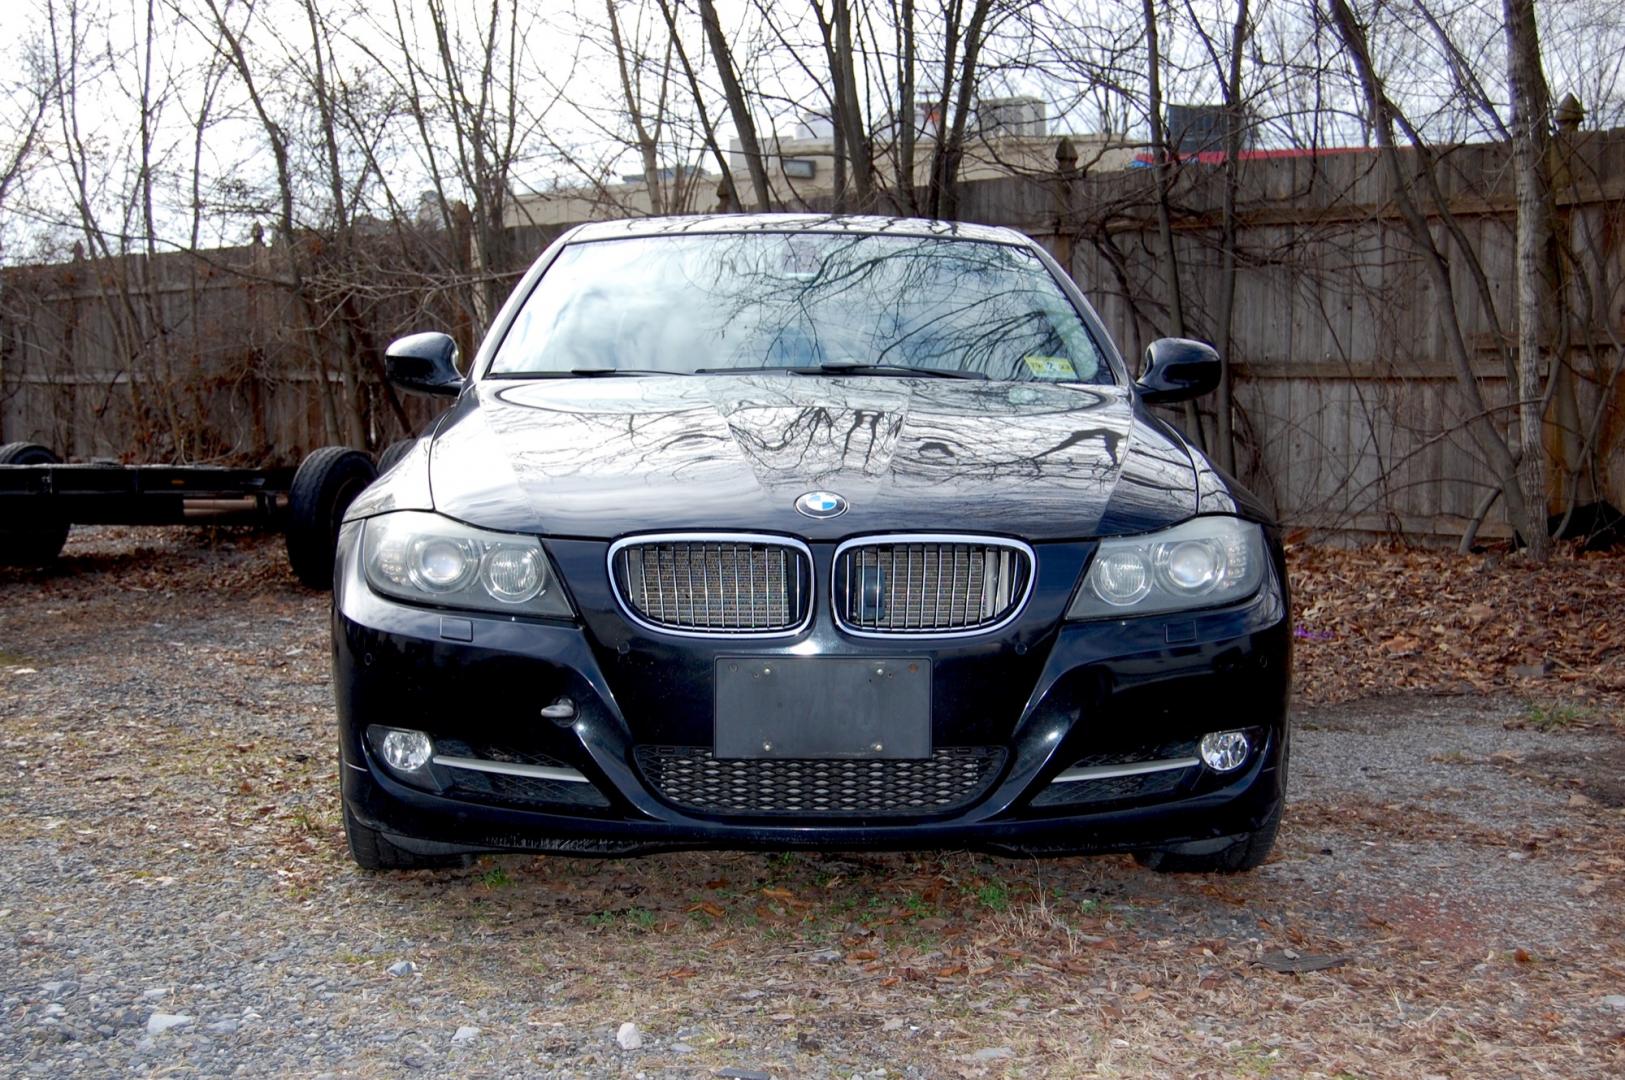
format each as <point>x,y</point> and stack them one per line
<point>581,373</point>
<point>858,367</point>
<point>599,372</point>
<point>849,367</point>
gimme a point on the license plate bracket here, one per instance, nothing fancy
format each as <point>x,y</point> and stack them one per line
<point>781,707</point>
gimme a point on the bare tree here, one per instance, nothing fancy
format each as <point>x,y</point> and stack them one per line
<point>1536,288</point>
<point>738,105</point>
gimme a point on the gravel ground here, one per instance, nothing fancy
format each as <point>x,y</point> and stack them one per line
<point>175,897</point>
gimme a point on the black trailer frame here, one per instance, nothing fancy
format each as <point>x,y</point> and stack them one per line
<point>41,497</point>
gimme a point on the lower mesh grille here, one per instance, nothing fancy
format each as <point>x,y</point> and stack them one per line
<point>522,790</point>
<point>479,786</point>
<point>692,778</point>
<point>1147,785</point>
<point>1111,788</point>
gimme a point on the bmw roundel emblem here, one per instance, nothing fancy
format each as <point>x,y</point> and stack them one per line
<point>821,504</point>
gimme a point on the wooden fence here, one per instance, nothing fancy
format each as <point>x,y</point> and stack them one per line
<point>1349,415</point>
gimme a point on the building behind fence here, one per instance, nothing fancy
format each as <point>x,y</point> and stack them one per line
<point>1349,415</point>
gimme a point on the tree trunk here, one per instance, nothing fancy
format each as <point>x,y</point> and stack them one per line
<point>738,107</point>
<point>1235,118</point>
<point>1531,147</point>
<point>946,188</point>
<point>906,201</point>
<point>1165,231</point>
<point>707,129</point>
<point>648,151</point>
<point>1383,114</point>
<point>849,111</point>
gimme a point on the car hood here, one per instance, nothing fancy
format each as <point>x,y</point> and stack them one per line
<point>602,457</point>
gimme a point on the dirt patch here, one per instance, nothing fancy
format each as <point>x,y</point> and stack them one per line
<point>1597,777</point>
<point>170,846</point>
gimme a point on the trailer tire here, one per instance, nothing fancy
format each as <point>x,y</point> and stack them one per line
<point>327,482</point>
<point>393,453</point>
<point>30,543</point>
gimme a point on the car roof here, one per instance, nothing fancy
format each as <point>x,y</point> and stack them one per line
<point>829,223</point>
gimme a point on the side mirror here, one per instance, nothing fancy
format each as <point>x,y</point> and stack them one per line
<point>1177,369</point>
<point>424,364</point>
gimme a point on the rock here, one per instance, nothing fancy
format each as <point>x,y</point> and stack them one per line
<point>1615,1002</point>
<point>53,1009</point>
<point>893,1023</point>
<point>629,1037</point>
<point>402,967</point>
<point>225,1027</point>
<point>159,1022</point>
<point>681,1048</point>
<point>994,1053</point>
<point>1288,961</point>
<point>732,1073</point>
<point>155,993</point>
<point>465,1034</point>
<point>58,988</point>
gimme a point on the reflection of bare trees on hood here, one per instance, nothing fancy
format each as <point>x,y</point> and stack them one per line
<point>781,432</point>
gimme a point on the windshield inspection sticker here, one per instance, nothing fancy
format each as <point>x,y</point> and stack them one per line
<point>1050,367</point>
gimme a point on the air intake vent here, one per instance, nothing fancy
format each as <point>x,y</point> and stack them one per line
<point>919,584</point>
<point>692,778</point>
<point>722,585</point>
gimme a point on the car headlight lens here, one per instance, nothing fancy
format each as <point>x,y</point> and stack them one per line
<point>427,558</point>
<point>1202,563</point>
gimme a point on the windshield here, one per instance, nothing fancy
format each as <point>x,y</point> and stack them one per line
<point>806,302</point>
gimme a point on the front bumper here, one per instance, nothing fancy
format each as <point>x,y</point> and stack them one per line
<point>1044,693</point>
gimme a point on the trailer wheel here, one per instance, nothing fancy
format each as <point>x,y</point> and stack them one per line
<point>323,488</point>
<point>393,453</point>
<point>32,543</point>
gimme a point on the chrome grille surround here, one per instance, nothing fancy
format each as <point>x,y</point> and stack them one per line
<point>733,585</point>
<point>930,584</point>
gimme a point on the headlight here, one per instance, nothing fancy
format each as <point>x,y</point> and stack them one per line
<point>1204,562</point>
<point>432,559</point>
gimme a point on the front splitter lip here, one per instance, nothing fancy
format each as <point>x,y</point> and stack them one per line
<point>423,821</point>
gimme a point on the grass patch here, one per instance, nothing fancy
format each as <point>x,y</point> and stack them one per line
<point>993,895</point>
<point>1555,716</point>
<point>637,919</point>
<point>496,878</point>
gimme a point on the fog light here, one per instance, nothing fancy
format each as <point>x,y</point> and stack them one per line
<point>1225,751</point>
<point>406,751</point>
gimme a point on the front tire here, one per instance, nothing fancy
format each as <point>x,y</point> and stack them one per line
<point>372,850</point>
<point>1247,852</point>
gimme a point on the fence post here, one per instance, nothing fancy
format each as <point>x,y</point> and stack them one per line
<point>1066,175</point>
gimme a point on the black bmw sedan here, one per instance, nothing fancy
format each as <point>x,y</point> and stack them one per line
<point>777,532</point>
